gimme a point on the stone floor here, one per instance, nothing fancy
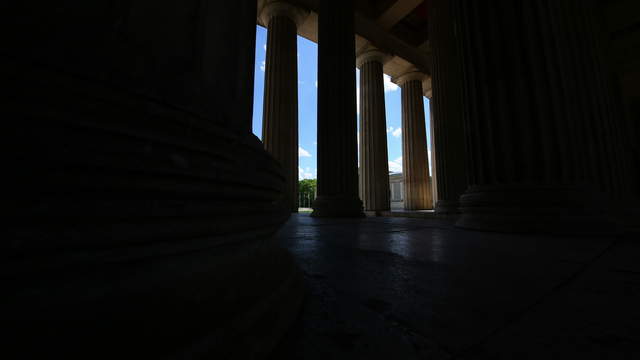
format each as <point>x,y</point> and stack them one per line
<point>401,288</point>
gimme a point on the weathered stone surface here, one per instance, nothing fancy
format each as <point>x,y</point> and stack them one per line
<point>381,288</point>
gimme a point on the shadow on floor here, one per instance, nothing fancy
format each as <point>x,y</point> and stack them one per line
<point>401,288</point>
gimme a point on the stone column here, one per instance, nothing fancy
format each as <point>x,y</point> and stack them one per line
<point>337,147</point>
<point>142,205</point>
<point>446,109</point>
<point>374,163</point>
<point>428,93</point>
<point>432,157</point>
<point>280,106</point>
<point>415,163</point>
<point>542,139</point>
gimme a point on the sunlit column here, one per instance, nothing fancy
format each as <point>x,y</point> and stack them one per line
<point>415,163</point>
<point>374,163</point>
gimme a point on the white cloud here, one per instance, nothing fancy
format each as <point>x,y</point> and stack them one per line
<point>302,152</point>
<point>388,85</point>
<point>262,65</point>
<point>316,83</point>
<point>396,132</point>
<point>396,165</point>
<point>264,47</point>
<point>305,173</point>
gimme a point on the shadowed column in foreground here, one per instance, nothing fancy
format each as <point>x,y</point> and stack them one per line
<point>542,140</point>
<point>374,163</point>
<point>144,207</point>
<point>415,163</point>
<point>280,114</point>
<point>446,109</point>
<point>337,144</point>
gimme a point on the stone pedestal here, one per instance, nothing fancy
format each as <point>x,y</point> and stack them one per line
<point>415,163</point>
<point>280,111</point>
<point>542,140</point>
<point>446,108</point>
<point>374,163</point>
<point>337,144</point>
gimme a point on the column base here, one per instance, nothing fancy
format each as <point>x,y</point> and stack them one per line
<point>534,209</point>
<point>447,207</point>
<point>337,206</point>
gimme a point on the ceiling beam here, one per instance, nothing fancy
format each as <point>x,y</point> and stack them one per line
<point>396,12</point>
<point>386,42</point>
<point>369,32</point>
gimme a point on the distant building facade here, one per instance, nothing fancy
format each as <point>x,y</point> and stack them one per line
<point>396,184</point>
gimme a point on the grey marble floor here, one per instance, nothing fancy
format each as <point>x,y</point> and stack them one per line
<point>400,288</point>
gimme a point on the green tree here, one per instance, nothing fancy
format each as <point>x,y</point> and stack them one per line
<point>307,192</point>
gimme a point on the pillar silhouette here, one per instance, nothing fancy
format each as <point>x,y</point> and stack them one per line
<point>337,144</point>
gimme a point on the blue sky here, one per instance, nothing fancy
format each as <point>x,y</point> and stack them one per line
<point>307,101</point>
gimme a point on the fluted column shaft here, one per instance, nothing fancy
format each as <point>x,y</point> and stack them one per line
<point>432,157</point>
<point>415,163</point>
<point>280,107</point>
<point>374,163</point>
<point>337,147</point>
<point>446,108</point>
<point>542,139</point>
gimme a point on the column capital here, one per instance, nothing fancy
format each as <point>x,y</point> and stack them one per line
<point>410,75</point>
<point>371,54</point>
<point>281,8</point>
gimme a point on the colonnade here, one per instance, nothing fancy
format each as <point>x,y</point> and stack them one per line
<point>521,141</point>
<point>341,192</point>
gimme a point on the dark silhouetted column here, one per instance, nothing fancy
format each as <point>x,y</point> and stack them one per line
<point>374,163</point>
<point>415,163</point>
<point>337,147</point>
<point>446,109</point>
<point>143,207</point>
<point>542,140</point>
<point>280,113</point>
<point>432,156</point>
